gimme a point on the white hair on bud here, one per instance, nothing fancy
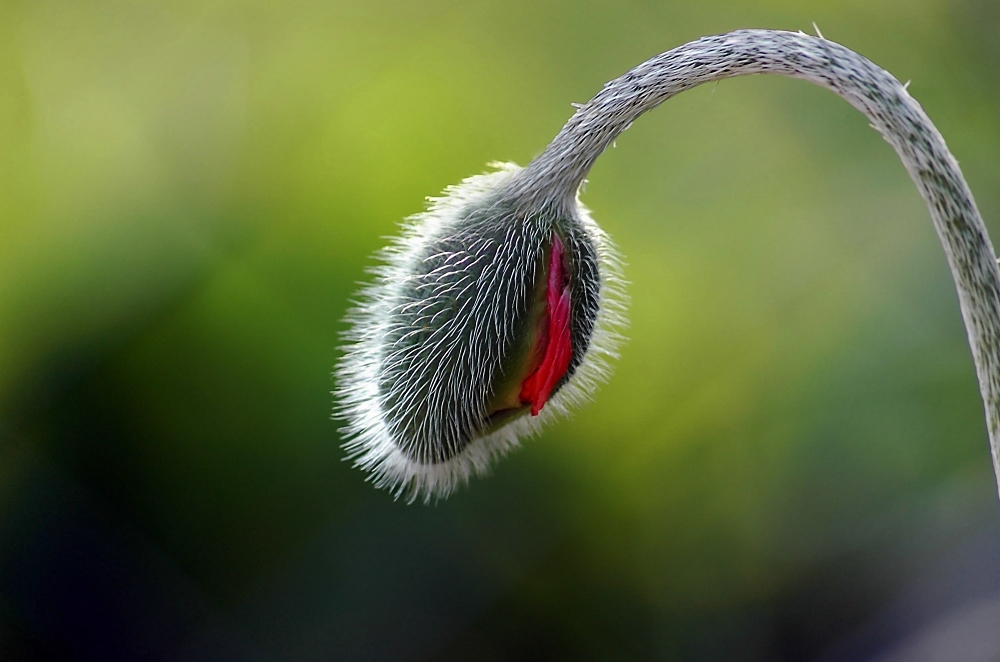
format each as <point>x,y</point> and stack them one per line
<point>374,440</point>
<point>544,195</point>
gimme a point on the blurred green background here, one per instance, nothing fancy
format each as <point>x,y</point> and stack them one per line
<point>790,462</point>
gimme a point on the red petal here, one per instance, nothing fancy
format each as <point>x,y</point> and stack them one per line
<point>555,336</point>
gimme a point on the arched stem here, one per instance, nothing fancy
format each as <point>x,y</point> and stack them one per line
<point>552,180</point>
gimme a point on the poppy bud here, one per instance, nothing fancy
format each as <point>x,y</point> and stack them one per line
<point>490,314</point>
<point>498,305</point>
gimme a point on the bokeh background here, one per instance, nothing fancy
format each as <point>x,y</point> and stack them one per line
<point>790,463</point>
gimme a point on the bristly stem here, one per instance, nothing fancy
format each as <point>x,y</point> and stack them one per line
<point>552,180</point>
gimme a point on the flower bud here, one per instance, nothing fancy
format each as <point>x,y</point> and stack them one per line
<point>490,314</point>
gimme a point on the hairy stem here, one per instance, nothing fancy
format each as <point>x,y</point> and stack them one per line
<point>552,180</point>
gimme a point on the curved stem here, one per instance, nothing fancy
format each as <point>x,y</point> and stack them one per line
<point>552,180</point>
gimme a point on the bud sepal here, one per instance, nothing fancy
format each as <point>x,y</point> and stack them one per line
<point>488,317</point>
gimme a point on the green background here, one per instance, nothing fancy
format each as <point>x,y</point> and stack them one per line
<point>792,442</point>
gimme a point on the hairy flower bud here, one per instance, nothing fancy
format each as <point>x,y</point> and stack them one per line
<point>504,294</point>
<point>490,314</point>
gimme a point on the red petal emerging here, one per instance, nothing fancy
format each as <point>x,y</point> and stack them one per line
<point>554,337</point>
